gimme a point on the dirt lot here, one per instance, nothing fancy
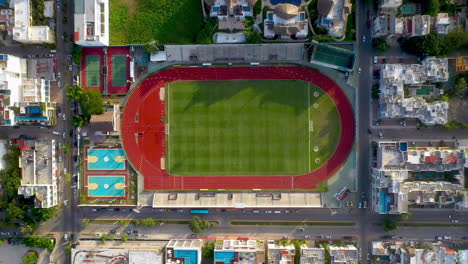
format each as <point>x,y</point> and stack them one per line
<point>457,110</point>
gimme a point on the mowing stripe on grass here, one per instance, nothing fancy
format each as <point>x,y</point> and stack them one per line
<point>298,223</point>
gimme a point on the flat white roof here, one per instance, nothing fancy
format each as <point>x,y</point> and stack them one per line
<point>3,151</point>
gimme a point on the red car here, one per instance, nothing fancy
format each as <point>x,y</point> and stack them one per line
<point>368,24</point>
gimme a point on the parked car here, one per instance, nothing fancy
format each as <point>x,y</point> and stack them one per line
<point>454,221</point>
<point>267,212</point>
<point>363,38</point>
<point>380,134</point>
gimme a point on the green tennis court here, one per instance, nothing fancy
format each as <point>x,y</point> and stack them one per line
<point>271,127</point>
<point>119,70</point>
<point>93,76</point>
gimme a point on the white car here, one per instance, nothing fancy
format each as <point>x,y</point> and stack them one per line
<point>363,38</point>
<point>375,59</point>
<point>64,117</point>
<point>70,67</point>
<point>380,134</point>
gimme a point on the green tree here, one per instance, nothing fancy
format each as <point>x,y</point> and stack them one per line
<point>257,9</point>
<point>432,7</point>
<point>85,222</point>
<point>125,237</point>
<point>323,38</point>
<point>199,226</point>
<point>77,54</point>
<point>460,84</point>
<point>77,121</point>
<point>104,238</point>
<point>205,35</point>
<point>30,258</point>
<point>91,103</point>
<point>27,229</point>
<point>66,148</point>
<point>74,92</point>
<point>208,250</point>
<point>284,242</point>
<point>147,222</point>
<point>380,44</point>
<point>40,242</point>
<point>456,40</point>
<point>389,225</point>
<point>67,249</point>
<point>152,46</point>
<point>44,214</point>
<point>14,211</point>
<point>430,45</point>
<point>2,242</point>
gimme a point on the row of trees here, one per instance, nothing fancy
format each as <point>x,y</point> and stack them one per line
<point>19,210</point>
<point>435,45</point>
<point>90,101</point>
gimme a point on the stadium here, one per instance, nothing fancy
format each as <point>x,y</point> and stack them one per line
<point>237,128</point>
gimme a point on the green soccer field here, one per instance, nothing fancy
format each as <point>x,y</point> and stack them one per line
<point>271,127</point>
<point>119,70</point>
<point>92,71</point>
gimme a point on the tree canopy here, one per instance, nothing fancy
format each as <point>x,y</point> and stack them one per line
<point>435,45</point>
<point>74,92</point>
<point>208,250</point>
<point>431,7</point>
<point>199,226</point>
<point>389,225</point>
<point>30,258</point>
<point>91,103</point>
<point>147,222</point>
<point>40,242</point>
<point>77,121</point>
<point>380,44</point>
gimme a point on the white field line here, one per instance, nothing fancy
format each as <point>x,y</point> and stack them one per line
<point>167,128</point>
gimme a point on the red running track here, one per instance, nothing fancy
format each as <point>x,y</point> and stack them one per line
<point>143,132</point>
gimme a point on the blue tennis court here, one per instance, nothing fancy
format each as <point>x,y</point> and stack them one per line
<point>106,186</point>
<point>106,159</point>
<point>190,256</point>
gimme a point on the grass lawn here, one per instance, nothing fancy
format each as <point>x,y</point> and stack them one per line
<point>249,127</point>
<point>142,21</point>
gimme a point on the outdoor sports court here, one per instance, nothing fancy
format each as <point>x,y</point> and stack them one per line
<point>106,159</point>
<point>146,129</point>
<point>93,67</point>
<point>106,69</point>
<point>262,127</point>
<point>119,70</point>
<point>100,186</point>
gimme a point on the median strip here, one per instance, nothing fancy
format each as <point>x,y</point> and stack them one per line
<point>419,224</point>
<point>298,223</point>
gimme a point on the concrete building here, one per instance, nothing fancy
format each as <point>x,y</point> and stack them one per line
<point>421,25</point>
<point>343,255</point>
<point>415,174</point>
<point>24,31</point>
<point>390,3</point>
<point>91,22</point>
<point>286,21</point>
<point>239,251</point>
<point>333,15</point>
<point>231,13</point>
<point>39,172</point>
<point>107,123</point>
<point>380,26</point>
<point>183,251</point>
<point>442,23</point>
<point>312,255</point>
<point>397,79</point>
<point>23,100</point>
<point>279,254</point>
<point>130,252</point>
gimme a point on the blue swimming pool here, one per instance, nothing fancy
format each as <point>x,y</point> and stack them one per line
<point>106,186</point>
<point>34,110</point>
<point>224,256</point>
<point>106,159</point>
<point>294,2</point>
<point>191,256</point>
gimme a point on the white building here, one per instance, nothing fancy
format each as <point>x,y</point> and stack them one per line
<point>389,6</point>
<point>20,97</point>
<point>394,183</point>
<point>280,254</point>
<point>395,103</point>
<point>343,255</point>
<point>12,72</point>
<point>239,251</point>
<point>333,16</point>
<point>442,23</point>
<point>285,21</point>
<point>312,255</point>
<point>24,31</point>
<point>39,172</point>
<point>91,22</point>
<point>184,251</point>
